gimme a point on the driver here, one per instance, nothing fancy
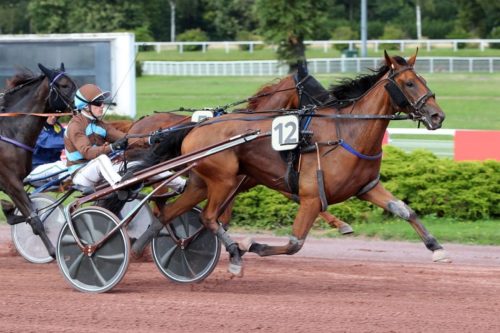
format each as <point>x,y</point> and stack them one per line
<point>88,140</point>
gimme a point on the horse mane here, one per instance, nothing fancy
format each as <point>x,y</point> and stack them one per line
<point>265,89</point>
<point>353,88</point>
<point>22,76</point>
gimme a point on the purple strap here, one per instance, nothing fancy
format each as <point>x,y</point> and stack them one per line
<point>353,151</point>
<point>56,78</point>
<point>16,143</point>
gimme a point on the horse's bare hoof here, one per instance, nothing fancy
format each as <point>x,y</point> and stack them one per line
<point>235,270</point>
<point>244,244</point>
<point>345,229</point>
<point>441,256</point>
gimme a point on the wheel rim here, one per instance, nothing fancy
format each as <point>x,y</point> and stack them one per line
<point>107,266</point>
<point>29,245</point>
<point>192,263</point>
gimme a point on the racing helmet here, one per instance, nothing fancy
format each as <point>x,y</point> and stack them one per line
<point>90,94</point>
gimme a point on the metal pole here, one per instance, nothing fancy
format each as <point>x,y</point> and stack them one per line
<point>364,27</point>
<point>419,22</point>
<point>172,21</point>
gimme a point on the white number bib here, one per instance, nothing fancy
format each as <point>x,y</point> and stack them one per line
<point>285,132</point>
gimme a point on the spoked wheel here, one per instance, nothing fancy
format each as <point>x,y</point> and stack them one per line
<point>185,251</point>
<point>29,245</point>
<point>105,268</point>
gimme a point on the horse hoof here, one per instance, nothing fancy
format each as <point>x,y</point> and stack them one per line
<point>244,245</point>
<point>441,256</point>
<point>235,270</point>
<point>346,229</point>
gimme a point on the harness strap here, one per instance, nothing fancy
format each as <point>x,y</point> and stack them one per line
<point>16,143</point>
<point>369,186</point>
<point>18,114</point>
<point>356,153</point>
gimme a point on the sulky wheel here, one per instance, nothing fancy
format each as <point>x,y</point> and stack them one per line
<point>29,245</point>
<point>140,222</point>
<point>105,268</point>
<point>185,251</point>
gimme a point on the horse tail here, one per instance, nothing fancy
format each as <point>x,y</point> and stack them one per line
<point>168,148</point>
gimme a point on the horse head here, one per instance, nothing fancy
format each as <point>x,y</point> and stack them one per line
<point>410,94</point>
<point>62,89</point>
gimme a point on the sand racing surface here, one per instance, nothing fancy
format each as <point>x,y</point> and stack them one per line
<point>331,285</point>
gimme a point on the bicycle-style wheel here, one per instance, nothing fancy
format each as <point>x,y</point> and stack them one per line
<point>105,268</point>
<point>29,245</point>
<point>189,253</point>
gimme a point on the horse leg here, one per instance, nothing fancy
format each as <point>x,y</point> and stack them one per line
<point>306,215</point>
<point>383,198</point>
<point>218,191</point>
<point>333,221</point>
<point>194,193</point>
<point>23,203</point>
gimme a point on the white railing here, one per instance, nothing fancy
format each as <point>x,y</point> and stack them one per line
<point>375,44</point>
<point>404,138</point>
<point>316,66</point>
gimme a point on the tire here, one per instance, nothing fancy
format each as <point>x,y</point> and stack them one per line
<point>191,262</point>
<point>29,245</point>
<point>106,267</point>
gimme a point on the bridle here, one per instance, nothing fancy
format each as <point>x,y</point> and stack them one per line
<point>55,99</point>
<point>402,100</point>
<point>58,101</point>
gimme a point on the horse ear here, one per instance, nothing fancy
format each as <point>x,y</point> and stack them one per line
<point>45,70</point>
<point>302,69</point>
<point>62,67</point>
<point>412,59</point>
<point>388,60</point>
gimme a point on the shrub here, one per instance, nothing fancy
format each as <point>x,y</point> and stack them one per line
<point>138,68</point>
<point>193,35</point>
<point>343,33</point>
<point>431,186</point>
<point>392,32</point>
<point>459,33</point>
<point>248,36</point>
<point>142,34</point>
<point>495,34</point>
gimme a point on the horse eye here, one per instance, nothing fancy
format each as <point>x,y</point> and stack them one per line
<point>409,84</point>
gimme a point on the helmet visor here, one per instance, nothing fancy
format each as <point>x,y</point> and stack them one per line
<point>100,99</point>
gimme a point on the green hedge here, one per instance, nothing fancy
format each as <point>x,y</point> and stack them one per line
<point>431,186</point>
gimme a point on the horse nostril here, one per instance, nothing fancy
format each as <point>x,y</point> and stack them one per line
<point>437,117</point>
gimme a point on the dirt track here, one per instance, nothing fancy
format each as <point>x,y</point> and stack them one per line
<point>332,285</point>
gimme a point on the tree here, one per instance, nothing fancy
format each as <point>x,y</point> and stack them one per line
<point>479,16</point>
<point>288,23</point>
<point>13,18</point>
<point>49,16</point>
<point>227,18</point>
<point>60,16</point>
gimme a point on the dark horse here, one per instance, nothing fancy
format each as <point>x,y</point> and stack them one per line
<point>347,137</point>
<point>22,109</point>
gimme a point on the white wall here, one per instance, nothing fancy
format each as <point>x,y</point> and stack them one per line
<point>122,61</point>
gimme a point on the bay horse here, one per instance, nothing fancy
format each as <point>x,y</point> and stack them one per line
<point>290,92</point>
<point>347,138</point>
<point>23,107</point>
